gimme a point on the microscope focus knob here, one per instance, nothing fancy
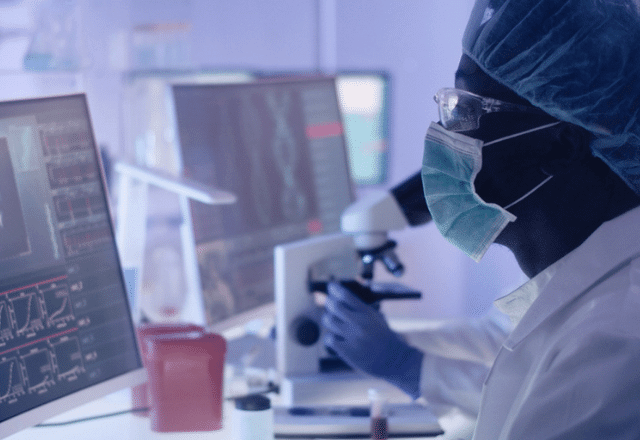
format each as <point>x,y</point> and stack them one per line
<point>305,330</point>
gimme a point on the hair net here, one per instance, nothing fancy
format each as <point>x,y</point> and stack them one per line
<point>579,60</point>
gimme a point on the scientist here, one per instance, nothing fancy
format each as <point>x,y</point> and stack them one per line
<point>537,149</point>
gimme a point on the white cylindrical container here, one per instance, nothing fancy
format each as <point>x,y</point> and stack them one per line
<point>253,418</point>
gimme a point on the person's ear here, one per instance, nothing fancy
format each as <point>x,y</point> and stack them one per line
<point>569,146</point>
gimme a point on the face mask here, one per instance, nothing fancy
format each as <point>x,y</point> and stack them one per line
<point>450,165</point>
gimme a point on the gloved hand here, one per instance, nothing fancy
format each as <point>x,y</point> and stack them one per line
<point>360,335</point>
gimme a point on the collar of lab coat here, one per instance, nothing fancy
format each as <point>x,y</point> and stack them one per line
<point>611,247</point>
<point>516,303</point>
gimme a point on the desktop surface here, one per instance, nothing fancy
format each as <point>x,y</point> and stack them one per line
<point>129,427</point>
<point>132,427</point>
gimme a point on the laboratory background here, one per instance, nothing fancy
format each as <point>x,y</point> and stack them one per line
<point>117,51</point>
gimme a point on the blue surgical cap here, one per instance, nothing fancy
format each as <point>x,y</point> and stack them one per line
<point>578,60</point>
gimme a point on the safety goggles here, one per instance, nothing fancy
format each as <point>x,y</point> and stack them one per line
<point>460,110</point>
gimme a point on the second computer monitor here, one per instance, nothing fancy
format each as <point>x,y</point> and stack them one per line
<point>279,146</point>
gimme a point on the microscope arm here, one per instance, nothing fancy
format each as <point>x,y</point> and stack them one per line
<point>369,219</point>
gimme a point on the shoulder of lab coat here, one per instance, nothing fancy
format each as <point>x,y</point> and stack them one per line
<point>578,375</point>
<point>570,369</point>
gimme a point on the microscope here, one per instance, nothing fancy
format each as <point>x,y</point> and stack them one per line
<point>310,373</point>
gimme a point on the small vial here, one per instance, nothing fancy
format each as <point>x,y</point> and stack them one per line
<point>378,413</point>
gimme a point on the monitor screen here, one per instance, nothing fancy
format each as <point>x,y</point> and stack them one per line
<point>364,97</point>
<point>278,145</point>
<point>66,335</point>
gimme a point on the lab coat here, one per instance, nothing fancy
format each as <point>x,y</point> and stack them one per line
<point>459,354</point>
<point>570,369</point>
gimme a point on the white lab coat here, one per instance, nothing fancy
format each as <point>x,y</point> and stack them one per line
<point>570,369</point>
<point>459,354</point>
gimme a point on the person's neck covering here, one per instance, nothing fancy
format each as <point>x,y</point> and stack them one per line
<point>578,60</point>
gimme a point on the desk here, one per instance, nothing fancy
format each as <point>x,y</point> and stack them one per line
<point>131,427</point>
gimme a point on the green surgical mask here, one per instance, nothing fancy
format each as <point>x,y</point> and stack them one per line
<point>450,165</point>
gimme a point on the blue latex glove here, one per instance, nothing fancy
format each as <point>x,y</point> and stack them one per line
<point>360,335</point>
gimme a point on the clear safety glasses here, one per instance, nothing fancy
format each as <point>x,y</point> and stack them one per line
<point>460,110</point>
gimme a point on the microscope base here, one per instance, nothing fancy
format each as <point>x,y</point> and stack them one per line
<point>349,388</point>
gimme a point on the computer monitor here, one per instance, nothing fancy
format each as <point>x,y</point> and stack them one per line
<point>364,97</point>
<point>278,145</point>
<point>66,335</point>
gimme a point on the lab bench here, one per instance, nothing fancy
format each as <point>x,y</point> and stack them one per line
<point>131,427</point>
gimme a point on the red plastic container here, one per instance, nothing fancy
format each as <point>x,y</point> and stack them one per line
<point>140,394</point>
<point>185,381</point>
